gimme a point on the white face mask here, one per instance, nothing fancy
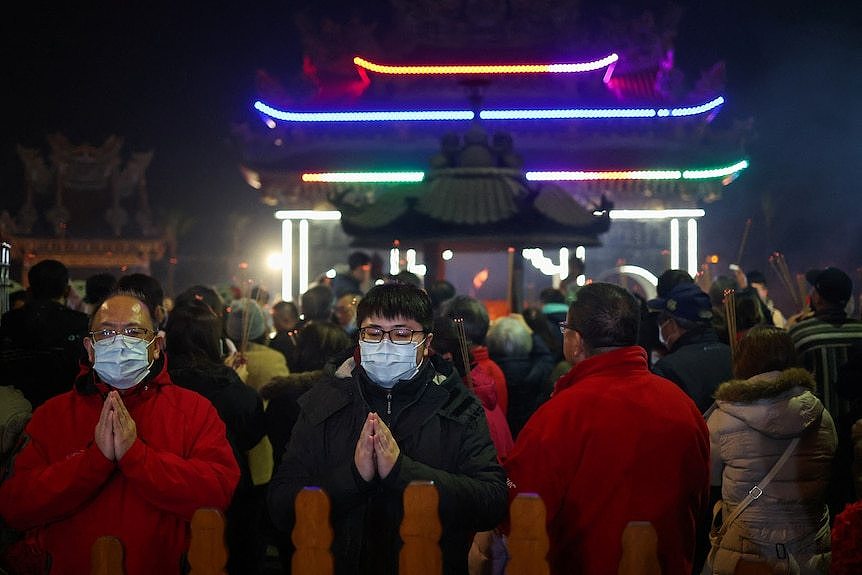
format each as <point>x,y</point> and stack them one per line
<point>387,363</point>
<point>661,336</point>
<point>122,362</point>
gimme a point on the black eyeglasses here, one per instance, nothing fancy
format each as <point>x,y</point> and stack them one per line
<point>398,335</point>
<point>565,325</point>
<point>103,334</point>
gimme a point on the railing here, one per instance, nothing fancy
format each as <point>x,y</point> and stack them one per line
<point>420,532</point>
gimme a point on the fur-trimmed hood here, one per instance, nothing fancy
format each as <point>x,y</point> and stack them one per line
<point>776,403</point>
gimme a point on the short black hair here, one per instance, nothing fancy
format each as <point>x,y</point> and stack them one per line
<point>392,300</point>
<point>358,259</point>
<point>606,315</point>
<point>552,295</point>
<point>440,291</point>
<point>98,286</point>
<point>317,302</point>
<point>473,312</point>
<point>201,293</point>
<point>146,285</point>
<point>48,280</point>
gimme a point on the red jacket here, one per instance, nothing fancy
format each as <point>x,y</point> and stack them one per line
<point>481,358</point>
<point>485,389</point>
<point>615,443</point>
<point>66,494</point>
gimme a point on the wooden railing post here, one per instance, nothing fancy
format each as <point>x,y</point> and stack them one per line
<point>528,538</point>
<point>106,556</point>
<point>640,550</point>
<point>312,534</point>
<point>207,550</point>
<point>421,531</point>
<point>752,567</point>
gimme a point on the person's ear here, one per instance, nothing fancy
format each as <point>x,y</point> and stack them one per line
<point>427,349</point>
<point>88,345</point>
<point>158,344</point>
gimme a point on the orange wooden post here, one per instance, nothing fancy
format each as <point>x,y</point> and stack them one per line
<point>421,531</point>
<point>752,567</point>
<point>207,551</point>
<point>312,534</point>
<point>106,556</point>
<point>640,550</point>
<point>528,537</point>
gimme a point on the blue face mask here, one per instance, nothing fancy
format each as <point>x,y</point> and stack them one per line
<point>122,362</point>
<point>387,363</point>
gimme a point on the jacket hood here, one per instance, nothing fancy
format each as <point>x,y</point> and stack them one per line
<point>484,387</point>
<point>777,403</point>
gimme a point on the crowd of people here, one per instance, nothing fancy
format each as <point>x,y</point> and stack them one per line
<point>733,428</point>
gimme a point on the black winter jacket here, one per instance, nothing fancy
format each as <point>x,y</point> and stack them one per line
<point>443,437</point>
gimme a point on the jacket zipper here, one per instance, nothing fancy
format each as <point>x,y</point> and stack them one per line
<point>389,403</point>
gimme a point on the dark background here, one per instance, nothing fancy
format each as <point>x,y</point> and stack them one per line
<point>175,78</point>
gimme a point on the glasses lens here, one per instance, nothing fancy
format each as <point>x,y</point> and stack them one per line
<point>401,335</point>
<point>371,334</point>
<point>137,332</point>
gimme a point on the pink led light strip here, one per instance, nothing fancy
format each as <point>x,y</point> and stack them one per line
<point>488,68</point>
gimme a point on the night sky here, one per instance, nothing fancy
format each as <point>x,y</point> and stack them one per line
<point>175,78</point>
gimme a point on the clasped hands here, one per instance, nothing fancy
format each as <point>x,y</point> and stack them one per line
<point>376,451</point>
<point>116,430</point>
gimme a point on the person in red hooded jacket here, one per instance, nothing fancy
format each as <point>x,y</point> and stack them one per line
<point>125,453</point>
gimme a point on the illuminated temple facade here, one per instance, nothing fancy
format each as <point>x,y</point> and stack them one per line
<point>87,206</point>
<point>490,128</point>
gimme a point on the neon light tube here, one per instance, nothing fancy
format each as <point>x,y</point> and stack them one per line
<point>303,256</point>
<point>653,214</point>
<point>691,247</point>
<point>365,177</point>
<point>715,172</point>
<point>369,116</point>
<point>674,244</point>
<point>287,260</point>
<point>570,114</point>
<point>638,174</point>
<point>308,215</point>
<point>462,115</point>
<point>639,271</point>
<point>556,176</point>
<point>616,175</point>
<point>488,68</point>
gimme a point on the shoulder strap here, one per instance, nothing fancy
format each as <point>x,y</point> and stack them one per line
<point>758,488</point>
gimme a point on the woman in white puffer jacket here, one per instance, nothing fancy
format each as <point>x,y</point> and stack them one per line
<point>753,421</point>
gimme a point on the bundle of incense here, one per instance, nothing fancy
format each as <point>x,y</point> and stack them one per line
<point>778,264</point>
<point>730,318</point>
<point>465,352</point>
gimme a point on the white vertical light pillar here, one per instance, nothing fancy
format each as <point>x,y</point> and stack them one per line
<point>394,261</point>
<point>287,260</point>
<point>564,267</point>
<point>303,256</point>
<point>692,247</point>
<point>674,243</point>
<point>581,254</point>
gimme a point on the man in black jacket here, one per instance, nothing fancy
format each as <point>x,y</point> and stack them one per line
<point>697,361</point>
<point>390,413</point>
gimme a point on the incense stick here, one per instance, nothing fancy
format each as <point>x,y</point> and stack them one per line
<point>465,352</point>
<point>743,241</point>
<point>730,319</point>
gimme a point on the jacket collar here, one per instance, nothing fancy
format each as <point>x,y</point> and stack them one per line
<point>620,360</point>
<point>88,382</point>
<point>765,385</point>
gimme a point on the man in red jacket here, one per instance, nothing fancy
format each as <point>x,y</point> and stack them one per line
<point>615,443</point>
<point>125,453</point>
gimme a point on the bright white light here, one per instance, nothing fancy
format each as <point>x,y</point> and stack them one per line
<point>674,244</point>
<point>308,215</point>
<point>303,256</point>
<point>274,261</point>
<point>331,273</point>
<point>447,255</point>
<point>692,247</point>
<point>287,259</point>
<point>653,214</point>
<point>564,257</point>
<point>394,261</point>
<point>581,253</point>
<point>639,271</point>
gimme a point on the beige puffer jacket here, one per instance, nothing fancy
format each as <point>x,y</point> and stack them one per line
<point>752,423</point>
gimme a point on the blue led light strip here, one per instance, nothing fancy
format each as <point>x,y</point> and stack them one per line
<point>459,115</point>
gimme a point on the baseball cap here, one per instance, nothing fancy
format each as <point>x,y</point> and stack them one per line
<point>685,301</point>
<point>832,284</point>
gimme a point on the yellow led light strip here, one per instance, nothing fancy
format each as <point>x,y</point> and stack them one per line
<point>488,68</point>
